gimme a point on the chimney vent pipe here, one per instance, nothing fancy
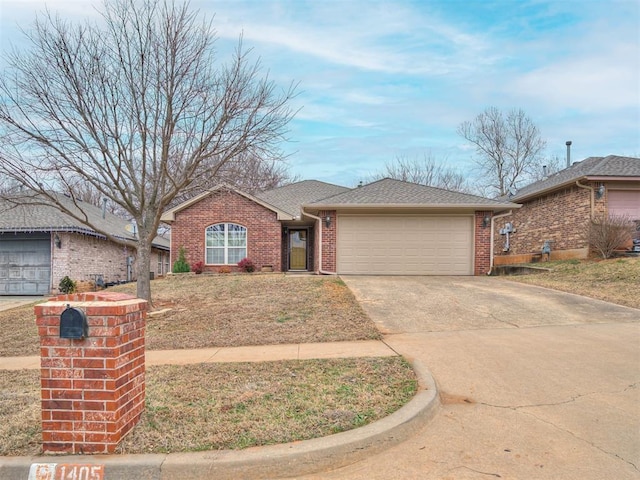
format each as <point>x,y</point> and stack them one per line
<point>568,144</point>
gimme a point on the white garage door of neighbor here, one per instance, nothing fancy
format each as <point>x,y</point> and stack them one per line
<point>405,245</point>
<point>625,202</point>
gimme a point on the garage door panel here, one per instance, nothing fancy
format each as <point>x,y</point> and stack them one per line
<point>405,245</point>
<point>25,267</point>
<point>624,202</point>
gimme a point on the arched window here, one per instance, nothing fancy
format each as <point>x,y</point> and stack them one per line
<point>225,244</point>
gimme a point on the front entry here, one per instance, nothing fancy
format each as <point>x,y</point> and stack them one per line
<point>297,249</point>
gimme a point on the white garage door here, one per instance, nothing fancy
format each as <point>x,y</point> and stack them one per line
<point>405,245</point>
<point>625,202</point>
<point>25,267</point>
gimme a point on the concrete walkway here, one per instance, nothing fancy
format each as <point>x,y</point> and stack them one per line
<point>262,353</point>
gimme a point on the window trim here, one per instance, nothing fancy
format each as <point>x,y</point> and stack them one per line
<point>226,247</point>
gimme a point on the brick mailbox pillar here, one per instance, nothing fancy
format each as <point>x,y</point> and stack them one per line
<point>92,389</point>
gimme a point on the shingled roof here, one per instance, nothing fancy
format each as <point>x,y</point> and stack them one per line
<point>396,193</point>
<point>290,197</point>
<point>32,216</point>
<point>592,168</point>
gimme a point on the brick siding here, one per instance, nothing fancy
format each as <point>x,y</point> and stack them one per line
<point>329,240</point>
<point>81,257</point>
<point>561,217</point>
<point>264,233</point>
<point>482,253</point>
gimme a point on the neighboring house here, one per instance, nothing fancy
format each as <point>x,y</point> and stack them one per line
<point>40,245</point>
<point>386,227</point>
<point>558,209</point>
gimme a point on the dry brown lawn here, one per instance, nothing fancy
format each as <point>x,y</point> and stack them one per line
<point>228,310</point>
<point>615,280</point>
<point>231,406</point>
<point>219,406</point>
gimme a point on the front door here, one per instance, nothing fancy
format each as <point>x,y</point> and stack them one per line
<point>297,249</point>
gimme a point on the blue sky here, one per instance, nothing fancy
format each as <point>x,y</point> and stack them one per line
<point>382,79</point>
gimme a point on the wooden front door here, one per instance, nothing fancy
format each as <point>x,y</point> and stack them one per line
<point>297,249</point>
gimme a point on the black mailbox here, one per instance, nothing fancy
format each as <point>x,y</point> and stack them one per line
<point>73,323</point>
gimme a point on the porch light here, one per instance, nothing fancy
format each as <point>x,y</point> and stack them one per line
<point>327,221</point>
<point>57,242</point>
<point>486,221</point>
<point>600,191</point>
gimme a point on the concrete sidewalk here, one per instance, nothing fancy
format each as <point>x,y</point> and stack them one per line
<point>260,353</point>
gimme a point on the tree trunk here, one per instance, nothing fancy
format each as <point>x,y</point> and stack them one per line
<point>143,289</point>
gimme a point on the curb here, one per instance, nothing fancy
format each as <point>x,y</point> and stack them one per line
<point>273,461</point>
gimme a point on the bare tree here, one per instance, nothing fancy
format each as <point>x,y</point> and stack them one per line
<point>508,147</point>
<point>138,107</point>
<point>548,167</point>
<point>424,171</point>
<point>252,174</point>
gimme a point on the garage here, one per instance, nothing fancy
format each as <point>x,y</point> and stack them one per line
<point>25,265</point>
<point>405,244</point>
<point>625,203</point>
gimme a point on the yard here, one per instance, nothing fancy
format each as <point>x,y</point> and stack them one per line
<point>214,406</point>
<point>615,280</point>
<point>228,310</point>
<point>221,406</point>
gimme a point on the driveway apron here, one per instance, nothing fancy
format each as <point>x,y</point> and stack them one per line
<point>534,383</point>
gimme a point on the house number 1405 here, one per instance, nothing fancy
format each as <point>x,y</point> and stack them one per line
<point>65,471</point>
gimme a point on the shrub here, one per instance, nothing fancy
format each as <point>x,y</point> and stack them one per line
<point>609,233</point>
<point>247,265</point>
<point>67,285</point>
<point>181,265</point>
<point>198,267</point>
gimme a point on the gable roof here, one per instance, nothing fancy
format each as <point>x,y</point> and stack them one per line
<point>396,193</point>
<point>31,216</point>
<point>290,197</point>
<point>170,215</point>
<point>592,168</point>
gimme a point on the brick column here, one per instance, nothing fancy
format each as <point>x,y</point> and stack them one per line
<point>482,244</point>
<point>92,390</point>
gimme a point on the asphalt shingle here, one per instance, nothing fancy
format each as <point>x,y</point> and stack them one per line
<point>609,166</point>
<point>30,216</point>
<point>290,197</point>
<point>395,192</point>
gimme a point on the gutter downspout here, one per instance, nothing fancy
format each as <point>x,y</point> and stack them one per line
<point>320,270</point>
<point>491,255</point>
<point>591,197</point>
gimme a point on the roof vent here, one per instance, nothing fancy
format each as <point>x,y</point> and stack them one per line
<point>568,144</point>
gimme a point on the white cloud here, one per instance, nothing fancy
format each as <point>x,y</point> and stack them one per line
<point>590,83</point>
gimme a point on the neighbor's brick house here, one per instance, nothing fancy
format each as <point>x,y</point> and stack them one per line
<point>559,208</point>
<point>40,245</point>
<point>386,227</point>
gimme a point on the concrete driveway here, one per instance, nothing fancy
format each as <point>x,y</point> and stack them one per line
<point>535,384</point>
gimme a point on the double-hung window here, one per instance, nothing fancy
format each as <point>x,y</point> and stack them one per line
<point>225,244</point>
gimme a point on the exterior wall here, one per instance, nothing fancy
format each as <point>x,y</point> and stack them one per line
<point>482,246</point>
<point>562,217</point>
<point>264,232</point>
<point>329,240</point>
<point>81,257</point>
